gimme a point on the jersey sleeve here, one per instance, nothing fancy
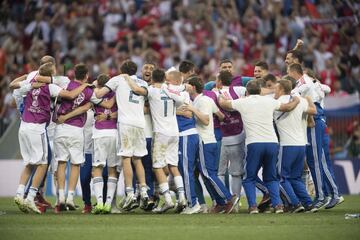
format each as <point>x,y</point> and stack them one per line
<point>61,81</point>
<point>276,103</point>
<point>175,95</point>
<point>204,106</point>
<point>214,107</point>
<point>95,100</point>
<point>113,83</point>
<point>240,91</point>
<point>54,90</point>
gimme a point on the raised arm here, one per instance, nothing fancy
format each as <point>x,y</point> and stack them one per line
<point>77,111</point>
<point>287,107</point>
<point>298,45</point>
<point>15,84</point>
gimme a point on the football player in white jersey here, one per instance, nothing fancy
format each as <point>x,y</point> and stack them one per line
<point>166,135</point>
<point>131,124</point>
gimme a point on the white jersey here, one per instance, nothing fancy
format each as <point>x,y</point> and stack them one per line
<point>61,81</point>
<point>321,90</point>
<point>305,87</point>
<point>163,111</point>
<point>225,91</point>
<point>290,124</point>
<point>31,76</point>
<point>241,93</point>
<point>130,105</point>
<point>205,105</point>
<point>257,116</point>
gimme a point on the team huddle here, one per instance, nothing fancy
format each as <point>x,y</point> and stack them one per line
<point>166,130</point>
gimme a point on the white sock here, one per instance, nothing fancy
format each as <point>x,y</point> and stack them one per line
<point>32,193</point>
<point>111,187</point>
<point>164,189</point>
<point>61,195</point>
<point>143,191</point>
<point>236,182</point>
<point>129,191</point>
<point>98,188</point>
<point>179,187</point>
<point>70,197</point>
<point>20,192</point>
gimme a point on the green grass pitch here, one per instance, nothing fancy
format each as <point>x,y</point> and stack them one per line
<point>326,224</point>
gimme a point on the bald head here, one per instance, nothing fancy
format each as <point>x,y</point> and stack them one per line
<point>253,87</point>
<point>174,77</point>
<point>47,59</point>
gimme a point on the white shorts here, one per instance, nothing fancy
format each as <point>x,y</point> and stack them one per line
<point>69,147</point>
<point>165,150</point>
<point>132,141</point>
<point>33,147</point>
<point>105,151</point>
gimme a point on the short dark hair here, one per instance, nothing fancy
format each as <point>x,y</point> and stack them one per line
<point>47,59</point>
<point>198,83</point>
<point>128,67</point>
<point>186,66</point>
<point>253,87</point>
<point>102,79</point>
<point>149,63</point>
<point>80,71</point>
<point>225,61</point>
<point>158,75</point>
<point>225,77</point>
<point>286,85</point>
<point>269,77</point>
<point>296,54</point>
<point>296,67</point>
<point>262,65</point>
<point>291,79</point>
<point>46,69</point>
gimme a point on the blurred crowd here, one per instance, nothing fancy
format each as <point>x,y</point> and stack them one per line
<point>103,33</point>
